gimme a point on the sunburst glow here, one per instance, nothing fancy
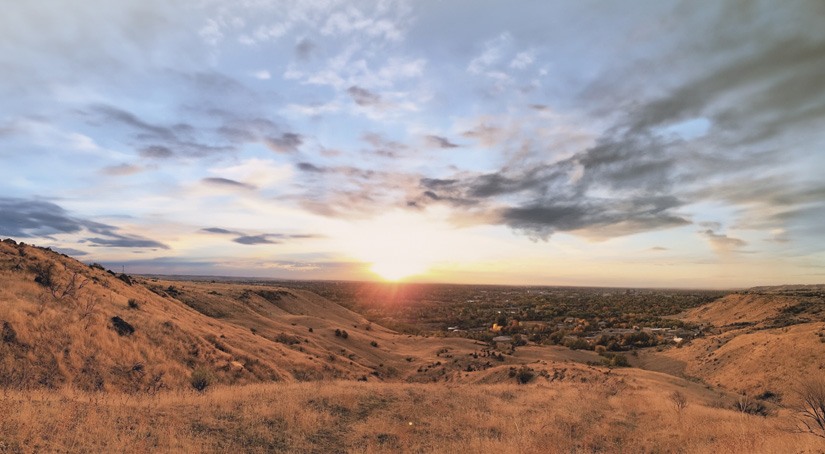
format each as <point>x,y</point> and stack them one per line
<point>399,245</point>
<point>395,271</point>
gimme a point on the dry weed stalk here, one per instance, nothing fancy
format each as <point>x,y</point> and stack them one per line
<point>811,411</point>
<point>679,402</point>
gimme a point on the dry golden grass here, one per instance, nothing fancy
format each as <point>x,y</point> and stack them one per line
<point>69,382</point>
<point>754,358</point>
<point>606,416</point>
<point>240,334</point>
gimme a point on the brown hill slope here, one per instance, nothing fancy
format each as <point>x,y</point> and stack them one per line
<point>757,342</point>
<point>69,324</point>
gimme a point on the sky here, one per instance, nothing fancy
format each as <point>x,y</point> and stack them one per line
<point>634,144</point>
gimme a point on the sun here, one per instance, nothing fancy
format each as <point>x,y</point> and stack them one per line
<point>397,270</point>
<point>398,245</point>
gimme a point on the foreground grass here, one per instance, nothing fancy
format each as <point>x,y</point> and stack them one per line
<point>328,417</point>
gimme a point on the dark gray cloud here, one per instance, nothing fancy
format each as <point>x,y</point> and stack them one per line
<point>126,241</point>
<point>36,218</point>
<point>788,72</point>
<point>435,183</point>
<point>304,49</point>
<point>265,238</point>
<point>255,239</point>
<point>363,97</point>
<point>31,218</point>
<point>221,231</point>
<point>440,142</point>
<point>227,183</point>
<point>203,140</point>
<point>309,167</point>
<point>160,141</point>
<point>601,218</point>
<point>156,152</point>
<point>639,175</point>
<point>117,115</point>
<point>285,143</point>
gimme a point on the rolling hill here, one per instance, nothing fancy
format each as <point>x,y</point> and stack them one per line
<point>761,341</point>
<point>95,361</point>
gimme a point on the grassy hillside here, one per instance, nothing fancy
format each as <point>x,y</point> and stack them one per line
<point>613,415</point>
<point>67,324</point>
<point>760,342</point>
<point>94,361</point>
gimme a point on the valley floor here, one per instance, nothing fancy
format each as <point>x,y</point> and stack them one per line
<point>619,414</point>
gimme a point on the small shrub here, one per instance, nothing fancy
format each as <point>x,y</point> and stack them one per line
<point>44,274</point>
<point>287,339</point>
<point>125,278</point>
<point>122,327</point>
<point>374,344</point>
<point>747,404</point>
<point>134,304</point>
<point>619,360</point>
<point>524,375</point>
<point>8,334</point>
<point>344,334</point>
<point>201,378</point>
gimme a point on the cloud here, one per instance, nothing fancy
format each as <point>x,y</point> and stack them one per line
<point>255,239</point>
<point>493,52</point>
<point>126,241</point>
<point>70,251</point>
<point>220,231</point>
<point>156,152</point>
<point>785,70</point>
<point>36,218</point>
<point>124,117</point>
<point>721,242</point>
<point>227,183</point>
<point>595,218</point>
<point>363,97</point>
<point>287,143</point>
<point>203,138</point>
<point>440,142</point>
<point>121,169</point>
<point>488,135</point>
<point>523,59</point>
<point>32,218</point>
<point>353,20</point>
<point>384,147</point>
<point>304,49</point>
<point>159,141</point>
<point>261,75</point>
<point>309,167</point>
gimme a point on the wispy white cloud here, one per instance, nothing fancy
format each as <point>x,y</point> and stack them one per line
<point>262,74</point>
